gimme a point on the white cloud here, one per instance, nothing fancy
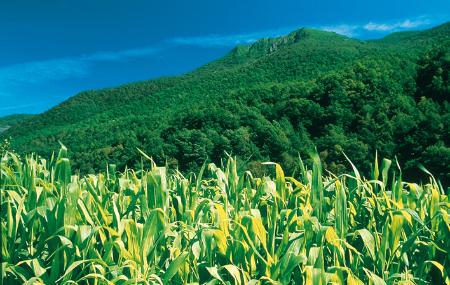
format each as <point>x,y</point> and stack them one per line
<point>63,68</point>
<point>214,40</point>
<point>37,71</point>
<point>229,40</point>
<point>120,55</point>
<point>408,24</point>
<point>405,24</point>
<point>354,30</point>
<point>349,30</point>
<point>377,27</point>
<point>247,38</point>
<point>346,30</point>
<point>75,67</point>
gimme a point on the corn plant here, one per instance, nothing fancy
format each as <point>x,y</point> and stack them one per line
<point>220,226</point>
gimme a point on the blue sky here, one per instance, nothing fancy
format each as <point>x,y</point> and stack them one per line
<point>52,49</point>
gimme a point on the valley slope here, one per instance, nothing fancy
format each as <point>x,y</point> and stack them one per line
<point>270,100</point>
<point>8,121</point>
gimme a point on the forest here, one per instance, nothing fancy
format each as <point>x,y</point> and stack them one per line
<point>273,100</point>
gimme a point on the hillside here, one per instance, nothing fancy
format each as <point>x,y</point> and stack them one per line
<point>8,121</point>
<point>270,100</point>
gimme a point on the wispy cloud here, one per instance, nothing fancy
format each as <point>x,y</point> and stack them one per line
<point>377,28</point>
<point>349,30</point>
<point>343,29</point>
<point>63,68</point>
<point>213,40</point>
<point>38,71</point>
<point>120,55</point>
<point>402,25</point>
<point>76,67</point>
<point>229,40</point>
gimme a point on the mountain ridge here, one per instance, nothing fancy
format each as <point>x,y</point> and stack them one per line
<point>159,115</point>
<point>10,120</point>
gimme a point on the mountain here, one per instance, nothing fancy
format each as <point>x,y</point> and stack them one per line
<point>270,100</point>
<point>8,121</point>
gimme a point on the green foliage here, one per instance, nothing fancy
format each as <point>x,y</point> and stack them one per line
<point>223,226</point>
<point>270,100</point>
<point>434,74</point>
<point>11,120</point>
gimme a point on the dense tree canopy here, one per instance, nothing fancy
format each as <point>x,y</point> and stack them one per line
<point>271,100</point>
<point>11,120</point>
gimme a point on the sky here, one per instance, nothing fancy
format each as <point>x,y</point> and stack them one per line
<point>51,50</point>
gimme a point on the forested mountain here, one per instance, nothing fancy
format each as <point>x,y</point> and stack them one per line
<point>8,121</point>
<point>270,100</point>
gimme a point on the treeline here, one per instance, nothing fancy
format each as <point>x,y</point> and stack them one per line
<point>272,100</point>
<point>373,105</point>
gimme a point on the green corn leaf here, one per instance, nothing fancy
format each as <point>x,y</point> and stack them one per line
<point>369,241</point>
<point>174,266</point>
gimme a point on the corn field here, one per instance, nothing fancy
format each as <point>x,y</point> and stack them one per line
<point>220,226</point>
